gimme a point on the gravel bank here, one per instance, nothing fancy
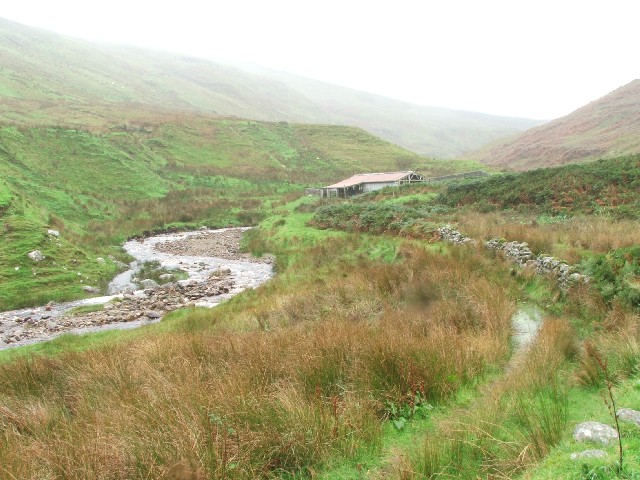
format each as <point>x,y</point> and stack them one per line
<point>222,244</point>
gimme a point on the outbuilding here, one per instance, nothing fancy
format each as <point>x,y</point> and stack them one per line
<point>368,182</point>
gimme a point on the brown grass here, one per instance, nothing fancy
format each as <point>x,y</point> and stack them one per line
<point>562,239</point>
<point>617,342</point>
<point>209,401</point>
<point>513,424</point>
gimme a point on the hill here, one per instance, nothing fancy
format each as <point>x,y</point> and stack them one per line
<point>47,74</point>
<point>605,128</point>
<point>97,186</point>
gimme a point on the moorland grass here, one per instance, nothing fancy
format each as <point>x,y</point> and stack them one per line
<point>270,385</point>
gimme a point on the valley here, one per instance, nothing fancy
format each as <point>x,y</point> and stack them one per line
<point>175,304</point>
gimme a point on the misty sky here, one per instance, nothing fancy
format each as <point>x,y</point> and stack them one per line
<point>537,59</point>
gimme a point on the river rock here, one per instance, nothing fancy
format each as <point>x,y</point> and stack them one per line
<point>148,284</point>
<point>153,314</point>
<point>588,454</point>
<point>628,415</point>
<point>594,432</point>
<point>36,256</point>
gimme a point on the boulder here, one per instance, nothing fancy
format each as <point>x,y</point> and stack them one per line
<point>36,256</point>
<point>90,289</point>
<point>153,314</point>
<point>595,432</point>
<point>588,454</point>
<point>53,233</point>
<point>101,260</point>
<point>628,415</point>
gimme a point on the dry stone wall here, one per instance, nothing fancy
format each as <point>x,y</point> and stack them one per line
<point>521,254</point>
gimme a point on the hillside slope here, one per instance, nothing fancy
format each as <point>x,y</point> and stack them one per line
<point>45,74</point>
<point>606,128</point>
<point>97,187</point>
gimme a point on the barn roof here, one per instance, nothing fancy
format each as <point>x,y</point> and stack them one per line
<point>370,178</point>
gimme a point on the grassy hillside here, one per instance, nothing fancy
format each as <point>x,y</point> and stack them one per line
<point>97,187</point>
<point>605,128</point>
<point>48,75</point>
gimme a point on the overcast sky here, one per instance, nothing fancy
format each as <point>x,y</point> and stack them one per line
<point>537,59</point>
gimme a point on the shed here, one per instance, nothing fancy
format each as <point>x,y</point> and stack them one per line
<point>368,182</point>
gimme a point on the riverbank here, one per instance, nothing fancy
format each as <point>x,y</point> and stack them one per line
<point>217,270</point>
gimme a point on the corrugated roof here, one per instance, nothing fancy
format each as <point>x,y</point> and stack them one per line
<point>370,178</point>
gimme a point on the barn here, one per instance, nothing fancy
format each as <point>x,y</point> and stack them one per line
<point>368,182</point>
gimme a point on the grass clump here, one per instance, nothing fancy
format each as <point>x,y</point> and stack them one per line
<point>82,309</point>
<point>153,270</point>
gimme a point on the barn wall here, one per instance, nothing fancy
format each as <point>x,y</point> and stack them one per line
<point>370,187</point>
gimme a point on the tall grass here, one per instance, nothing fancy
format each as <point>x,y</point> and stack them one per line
<point>565,238</point>
<point>514,424</point>
<point>225,396</point>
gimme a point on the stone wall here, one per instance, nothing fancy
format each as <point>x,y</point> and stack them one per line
<point>520,253</point>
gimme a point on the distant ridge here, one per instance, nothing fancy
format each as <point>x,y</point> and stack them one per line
<point>605,128</point>
<point>44,75</point>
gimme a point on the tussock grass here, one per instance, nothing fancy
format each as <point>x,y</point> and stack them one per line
<point>565,238</point>
<point>513,425</point>
<point>618,343</point>
<point>225,396</point>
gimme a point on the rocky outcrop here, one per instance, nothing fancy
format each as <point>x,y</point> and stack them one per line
<point>628,415</point>
<point>588,454</point>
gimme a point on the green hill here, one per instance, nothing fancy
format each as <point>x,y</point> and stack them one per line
<point>97,187</point>
<point>56,78</point>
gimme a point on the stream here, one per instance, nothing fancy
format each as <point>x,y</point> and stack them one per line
<point>526,324</point>
<point>212,279</point>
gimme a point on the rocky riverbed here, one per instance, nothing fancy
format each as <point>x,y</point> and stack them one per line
<point>220,243</point>
<point>217,270</point>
